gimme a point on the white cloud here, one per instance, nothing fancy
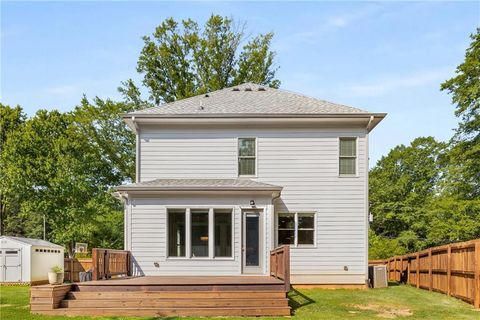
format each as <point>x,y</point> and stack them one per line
<point>339,22</point>
<point>386,85</point>
<point>326,26</point>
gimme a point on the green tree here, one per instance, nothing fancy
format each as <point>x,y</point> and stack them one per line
<point>452,220</point>
<point>181,60</point>
<point>464,157</point>
<point>10,120</point>
<point>99,121</point>
<point>401,185</point>
<point>62,169</point>
<point>382,247</point>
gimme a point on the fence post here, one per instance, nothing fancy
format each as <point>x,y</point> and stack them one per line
<point>408,269</point>
<point>95,264</point>
<point>395,269</point>
<point>106,264</point>
<point>418,269</point>
<point>476,297</point>
<point>449,268</point>
<point>430,274</point>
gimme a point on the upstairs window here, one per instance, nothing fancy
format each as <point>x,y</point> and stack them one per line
<point>247,157</point>
<point>348,157</point>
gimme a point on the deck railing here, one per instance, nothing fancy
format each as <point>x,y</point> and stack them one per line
<point>280,264</point>
<point>108,263</point>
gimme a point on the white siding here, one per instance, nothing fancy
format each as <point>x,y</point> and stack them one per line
<point>148,241</point>
<point>302,160</point>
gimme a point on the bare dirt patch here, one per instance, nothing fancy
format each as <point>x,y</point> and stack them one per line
<point>385,311</point>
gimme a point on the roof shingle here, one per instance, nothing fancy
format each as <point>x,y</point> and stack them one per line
<point>248,98</point>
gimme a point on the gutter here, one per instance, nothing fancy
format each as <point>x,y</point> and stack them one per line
<point>134,116</point>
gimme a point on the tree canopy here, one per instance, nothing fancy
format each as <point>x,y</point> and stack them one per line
<point>63,165</point>
<point>181,59</point>
<point>428,193</point>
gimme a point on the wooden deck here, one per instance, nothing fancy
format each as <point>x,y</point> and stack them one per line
<point>189,280</point>
<point>165,296</point>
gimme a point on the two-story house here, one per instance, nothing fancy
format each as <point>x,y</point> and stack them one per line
<point>225,177</point>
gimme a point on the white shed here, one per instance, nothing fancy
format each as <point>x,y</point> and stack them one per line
<point>28,260</point>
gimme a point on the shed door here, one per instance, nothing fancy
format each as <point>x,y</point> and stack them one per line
<point>12,265</point>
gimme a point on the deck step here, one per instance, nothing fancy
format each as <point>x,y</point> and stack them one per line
<point>164,312</point>
<point>76,295</point>
<point>175,303</point>
<point>183,287</point>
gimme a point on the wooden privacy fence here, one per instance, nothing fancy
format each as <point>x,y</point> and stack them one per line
<point>280,264</point>
<point>73,267</point>
<point>453,269</point>
<point>108,263</point>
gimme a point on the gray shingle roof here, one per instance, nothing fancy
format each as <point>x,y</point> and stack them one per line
<point>34,242</point>
<point>248,98</point>
<point>199,185</point>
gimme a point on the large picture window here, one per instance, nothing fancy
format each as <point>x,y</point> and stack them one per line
<point>247,161</point>
<point>348,156</point>
<point>223,232</point>
<point>200,233</point>
<point>296,229</point>
<point>176,233</point>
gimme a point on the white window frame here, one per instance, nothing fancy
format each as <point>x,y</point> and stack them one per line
<point>256,157</point>
<point>188,233</point>
<point>295,215</point>
<point>343,175</point>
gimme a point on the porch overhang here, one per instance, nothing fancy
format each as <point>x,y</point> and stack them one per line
<point>199,187</point>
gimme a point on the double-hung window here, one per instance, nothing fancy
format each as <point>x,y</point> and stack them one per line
<point>347,157</point>
<point>247,158</point>
<point>200,233</point>
<point>296,229</point>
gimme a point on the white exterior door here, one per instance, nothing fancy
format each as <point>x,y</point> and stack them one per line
<point>11,265</point>
<point>252,243</point>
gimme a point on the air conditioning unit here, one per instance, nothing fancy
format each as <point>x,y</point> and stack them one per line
<point>378,276</point>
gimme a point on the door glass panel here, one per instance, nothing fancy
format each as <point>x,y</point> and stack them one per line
<point>199,233</point>
<point>252,247</point>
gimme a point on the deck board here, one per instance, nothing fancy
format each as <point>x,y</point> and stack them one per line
<point>189,280</point>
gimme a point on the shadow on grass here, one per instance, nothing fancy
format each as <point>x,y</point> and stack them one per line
<point>393,284</point>
<point>297,300</point>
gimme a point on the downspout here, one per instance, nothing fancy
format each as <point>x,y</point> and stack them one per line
<point>137,150</point>
<point>369,124</point>
<point>367,206</point>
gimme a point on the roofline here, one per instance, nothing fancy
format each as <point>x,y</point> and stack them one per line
<point>51,244</point>
<point>200,188</point>
<point>367,119</point>
<point>254,115</point>
<point>16,240</point>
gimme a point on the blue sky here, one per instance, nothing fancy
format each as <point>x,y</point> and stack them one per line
<point>379,56</point>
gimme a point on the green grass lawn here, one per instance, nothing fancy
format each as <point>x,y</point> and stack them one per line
<point>395,302</point>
